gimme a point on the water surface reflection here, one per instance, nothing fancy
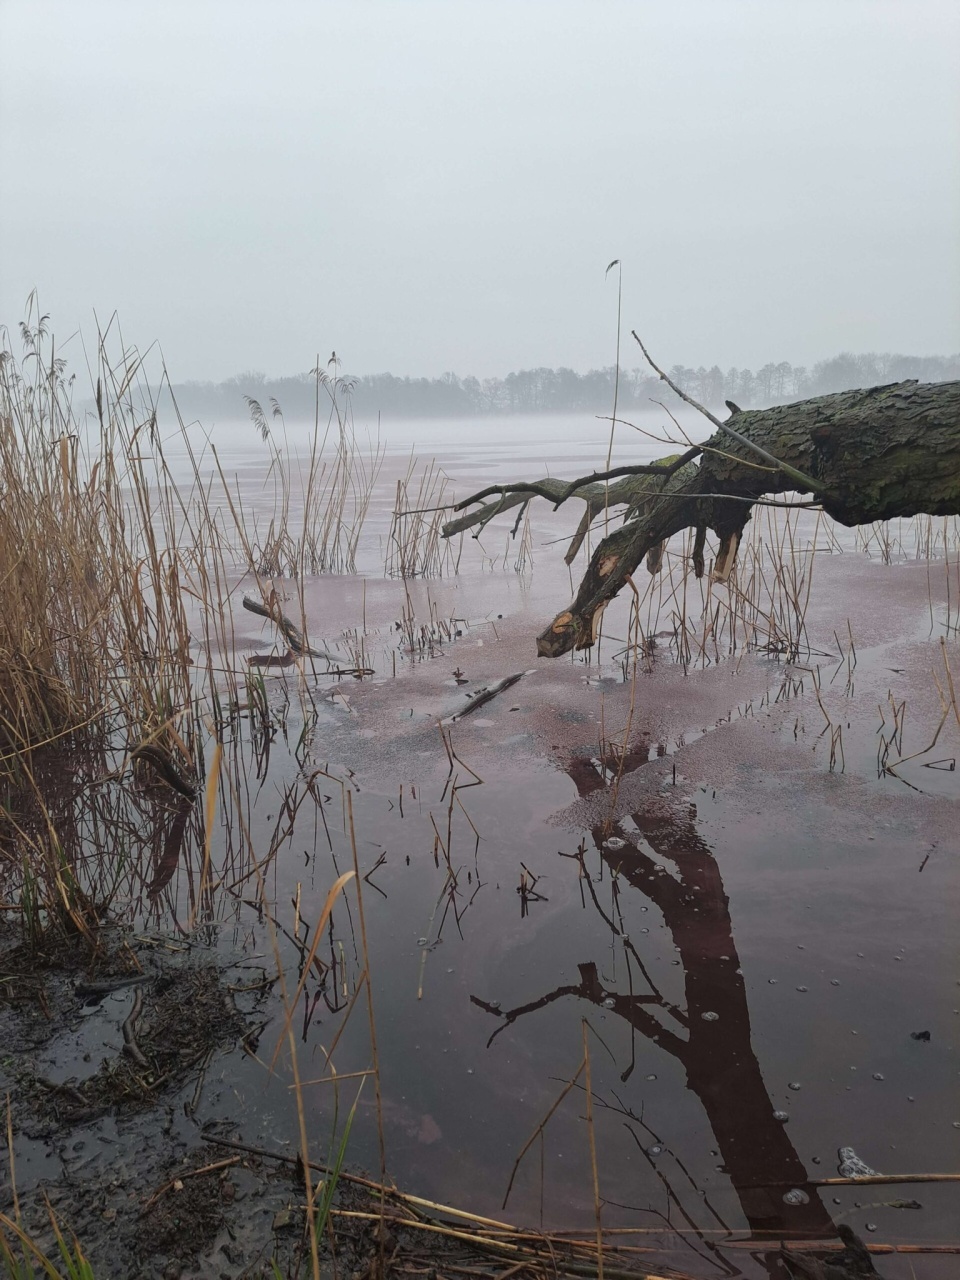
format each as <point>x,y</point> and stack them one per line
<point>658,854</point>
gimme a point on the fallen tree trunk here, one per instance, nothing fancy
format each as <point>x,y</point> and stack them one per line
<point>862,455</point>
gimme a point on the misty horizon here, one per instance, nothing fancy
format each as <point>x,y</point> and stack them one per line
<point>432,187</point>
<point>560,390</point>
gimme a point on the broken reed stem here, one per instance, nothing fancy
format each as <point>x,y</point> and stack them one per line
<point>189,1173</point>
<point>13,1173</point>
<point>593,1147</point>
<point>370,1014</point>
<point>624,746</point>
<point>570,1266</point>
<point>568,1238</point>
<point>884,1179</point>
<point>540,1128</point>
<point>305,1149</point>
<point>210,809</point>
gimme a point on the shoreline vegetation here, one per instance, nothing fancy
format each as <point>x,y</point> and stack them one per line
<point>140,743</point>
<point>563,390</point>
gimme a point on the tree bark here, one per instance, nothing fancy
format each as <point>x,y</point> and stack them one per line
<point>863,455</point>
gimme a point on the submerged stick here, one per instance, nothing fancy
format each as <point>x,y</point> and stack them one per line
<point>291,632</point>
<point>484,695</point>
<point>130,1046</point>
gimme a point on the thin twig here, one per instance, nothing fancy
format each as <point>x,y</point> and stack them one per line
<point>805,481</point>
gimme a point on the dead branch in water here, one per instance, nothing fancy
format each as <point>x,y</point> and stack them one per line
<point>864,456</point>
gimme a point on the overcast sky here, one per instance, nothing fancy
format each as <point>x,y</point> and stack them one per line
<point>439,186</point>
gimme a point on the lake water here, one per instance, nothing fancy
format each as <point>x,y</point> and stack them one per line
<point>693,866</point>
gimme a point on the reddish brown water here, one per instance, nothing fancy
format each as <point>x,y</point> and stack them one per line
<point>733,873</point>
<point>753,939</point>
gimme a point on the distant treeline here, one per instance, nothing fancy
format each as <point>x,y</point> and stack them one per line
<point>561,390</point>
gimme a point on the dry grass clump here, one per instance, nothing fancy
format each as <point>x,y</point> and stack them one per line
<point>117,563</point>
<point>91,615</point>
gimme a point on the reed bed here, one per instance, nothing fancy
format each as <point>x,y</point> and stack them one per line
<point>320,502</point>
<point>762,607</point>
<point>123,543</point>
<point>416,547</point>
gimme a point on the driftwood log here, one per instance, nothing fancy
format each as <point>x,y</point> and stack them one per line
<point>862,456</point>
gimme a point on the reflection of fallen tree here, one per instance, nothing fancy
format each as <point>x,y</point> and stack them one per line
<point>864,456</point>
<point>710,1037</point>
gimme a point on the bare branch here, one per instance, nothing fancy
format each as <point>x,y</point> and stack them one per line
<point>558,491</point>
<point>695,404</point>
<point>804,481</point>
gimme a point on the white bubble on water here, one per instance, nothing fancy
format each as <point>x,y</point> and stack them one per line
<point>796,1196</point>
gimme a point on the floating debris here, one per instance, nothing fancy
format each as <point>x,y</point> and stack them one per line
<point>851,1166</point>
<point>482,696</point>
